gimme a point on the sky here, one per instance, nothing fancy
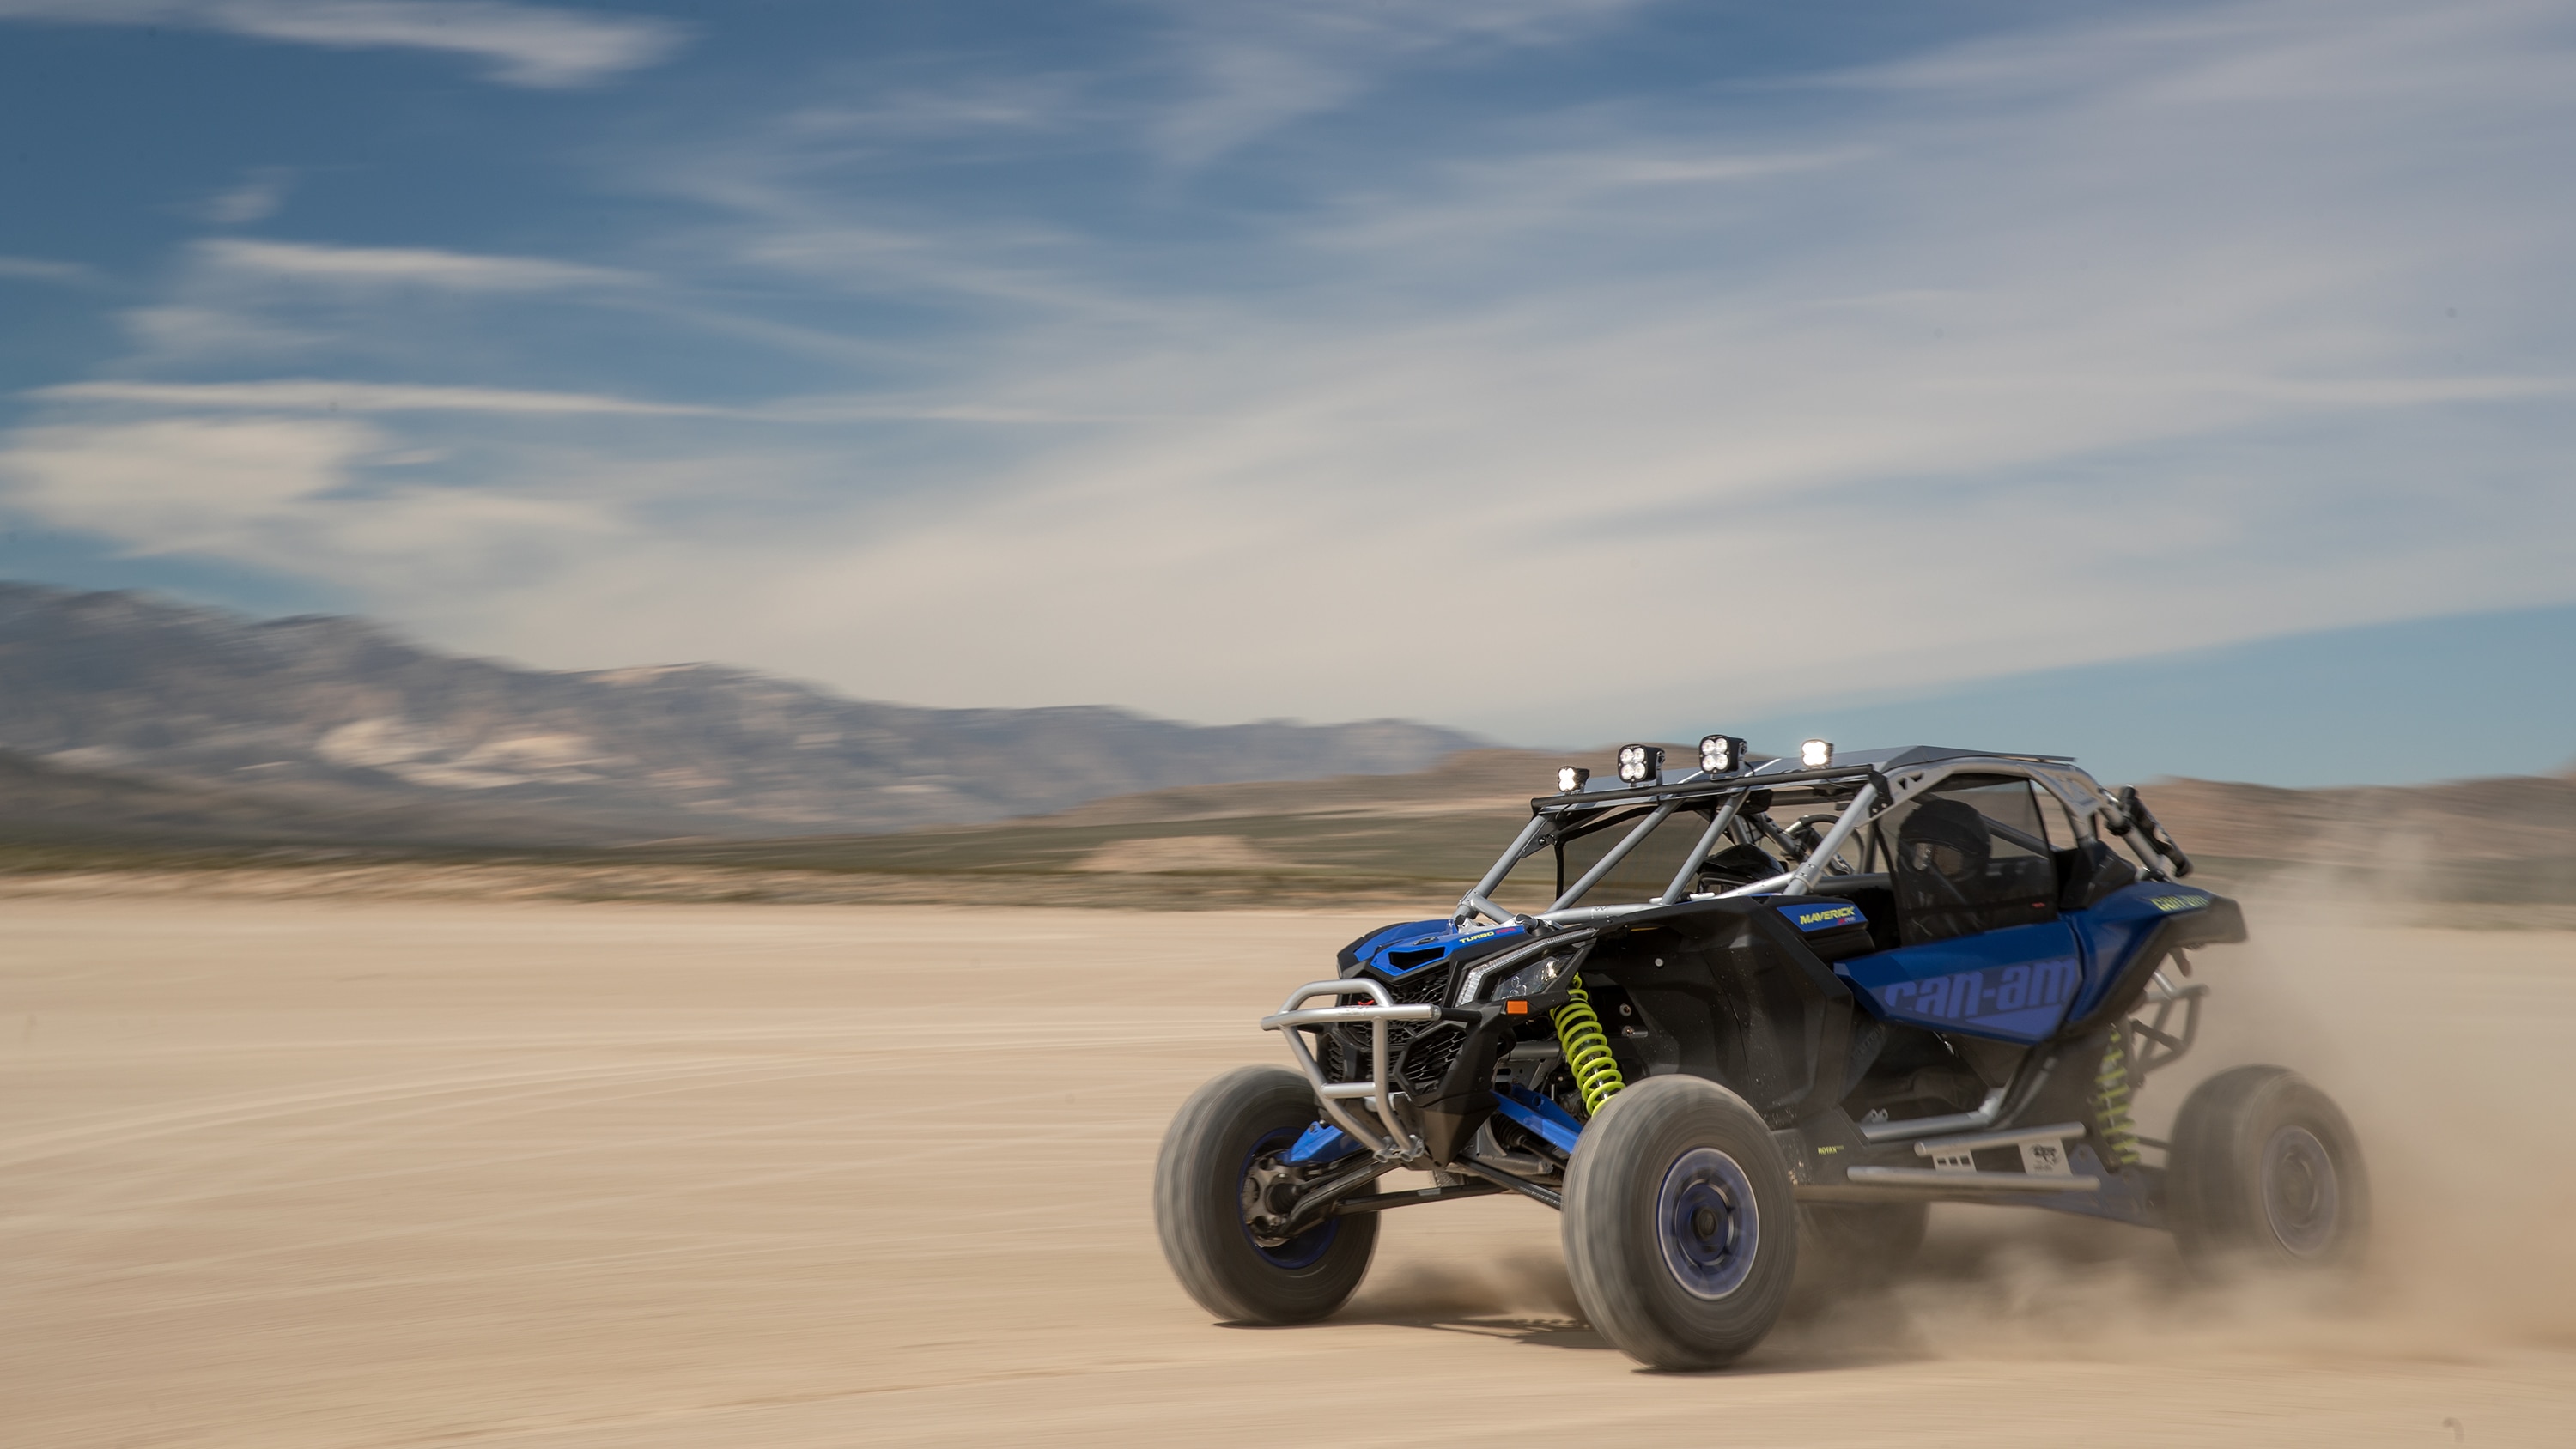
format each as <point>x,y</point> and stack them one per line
<point>1559,370</point>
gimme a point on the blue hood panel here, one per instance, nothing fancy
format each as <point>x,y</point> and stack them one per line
<point>1410,946</point>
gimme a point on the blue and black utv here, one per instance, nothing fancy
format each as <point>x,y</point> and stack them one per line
<point>1775,1008</point>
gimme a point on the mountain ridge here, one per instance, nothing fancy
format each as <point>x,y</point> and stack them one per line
<point>348,715</point>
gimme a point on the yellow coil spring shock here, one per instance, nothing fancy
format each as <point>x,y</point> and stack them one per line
<point>1587,1050</point>
<point>2111,1096</point>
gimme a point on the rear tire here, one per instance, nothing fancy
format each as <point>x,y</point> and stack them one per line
<point>1214,1149</point>
<point>2266,1174</point>
<point>1681,1234</point>
<point>1851,1248</point>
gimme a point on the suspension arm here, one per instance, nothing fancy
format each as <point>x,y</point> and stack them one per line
<point>1548,1197</point>
<point>1316,1202</point>
<point>1378,1202</point>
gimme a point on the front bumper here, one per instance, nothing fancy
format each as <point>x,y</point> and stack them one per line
<point>1396,1142</point>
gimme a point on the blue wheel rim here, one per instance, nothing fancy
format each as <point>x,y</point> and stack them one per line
<point>1707,1223</point>
<point>1307,1248</point>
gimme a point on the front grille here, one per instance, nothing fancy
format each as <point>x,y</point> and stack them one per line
<point>1345,1057</point>
<point>1428,985</point>
<point>1427,1058</point>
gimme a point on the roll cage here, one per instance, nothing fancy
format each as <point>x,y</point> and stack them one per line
<point>1855,791</point>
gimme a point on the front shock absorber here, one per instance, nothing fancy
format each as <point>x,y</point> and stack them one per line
<point>1587,1049</point>
<point>2111,1101</point>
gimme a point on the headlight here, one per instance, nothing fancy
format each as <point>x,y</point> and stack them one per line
<point>1721,754</point>
<point>1640,763</point>
<point>1570,778</point>
<point>1536,979</point>
<point>1816,754</point>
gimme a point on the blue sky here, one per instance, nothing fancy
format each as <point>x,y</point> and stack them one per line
<point>1560,369</point>
<point>2425,699</point>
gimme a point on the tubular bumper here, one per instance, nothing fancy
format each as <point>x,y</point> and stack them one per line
<point>1396,1142</point>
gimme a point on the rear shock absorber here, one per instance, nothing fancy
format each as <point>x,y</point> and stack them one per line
<point>2111,1100</point>
<point>1587,1049</point>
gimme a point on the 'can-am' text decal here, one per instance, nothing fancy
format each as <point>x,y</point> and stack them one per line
<point>1976,997</point>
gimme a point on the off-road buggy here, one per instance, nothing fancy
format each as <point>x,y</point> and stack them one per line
<point>1775,1008</point>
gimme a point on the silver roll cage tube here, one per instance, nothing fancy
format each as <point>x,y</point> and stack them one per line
<point>2086,802</point>
<point>1548,821</point>
<point>1708,839</point>
<point>1532,838</point>
<point>1610,858</point>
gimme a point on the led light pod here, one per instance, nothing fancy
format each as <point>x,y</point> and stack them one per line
<point>1815,754</point>
<point>1640,763</point>
<point>1570,778</point>
<point>1721,754</point>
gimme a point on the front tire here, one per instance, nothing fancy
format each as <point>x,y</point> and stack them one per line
<point>2266,1174</point>
<point>1222,1145</point>
<point>1681,1234</point>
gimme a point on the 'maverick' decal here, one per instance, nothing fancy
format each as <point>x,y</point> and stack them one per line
<point>1812,917</point>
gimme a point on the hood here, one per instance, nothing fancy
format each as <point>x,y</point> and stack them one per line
<point>1410,946</point>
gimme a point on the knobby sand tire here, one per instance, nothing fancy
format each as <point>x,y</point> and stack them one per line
<point>2244,1188</point>
<point>1630,1281</point>
<point>1198,1207</point>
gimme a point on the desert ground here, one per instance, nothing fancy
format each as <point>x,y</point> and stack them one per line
<point>297,1173</point>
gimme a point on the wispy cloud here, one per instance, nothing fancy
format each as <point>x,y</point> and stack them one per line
<point>282,493</point>
<point>322,395</point>
<point>173,484</point>
<point>36,269</point>
<point>524,45</point>
<point>237,303</point>
<point>255,199</point>
<point>403,266</point>
<point>196,330</point>
<point>1247,68</point>
<point>316,395</point>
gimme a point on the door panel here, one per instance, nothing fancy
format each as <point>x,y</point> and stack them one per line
<point>2013,985</point>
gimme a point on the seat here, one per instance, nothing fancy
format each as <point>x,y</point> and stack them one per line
<point>1737,865</point>
<point>1876,897</point>
<point>1941,854</point>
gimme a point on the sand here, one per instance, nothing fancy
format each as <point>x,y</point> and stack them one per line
<point>284,1173</point>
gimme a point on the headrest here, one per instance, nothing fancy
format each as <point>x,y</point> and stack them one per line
<point>1740,865</point>
<point>1944,836</point>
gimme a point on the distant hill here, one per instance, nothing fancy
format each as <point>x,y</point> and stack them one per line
<point>331,725</point>
<point>43,804</point>
<point>131,727</point>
